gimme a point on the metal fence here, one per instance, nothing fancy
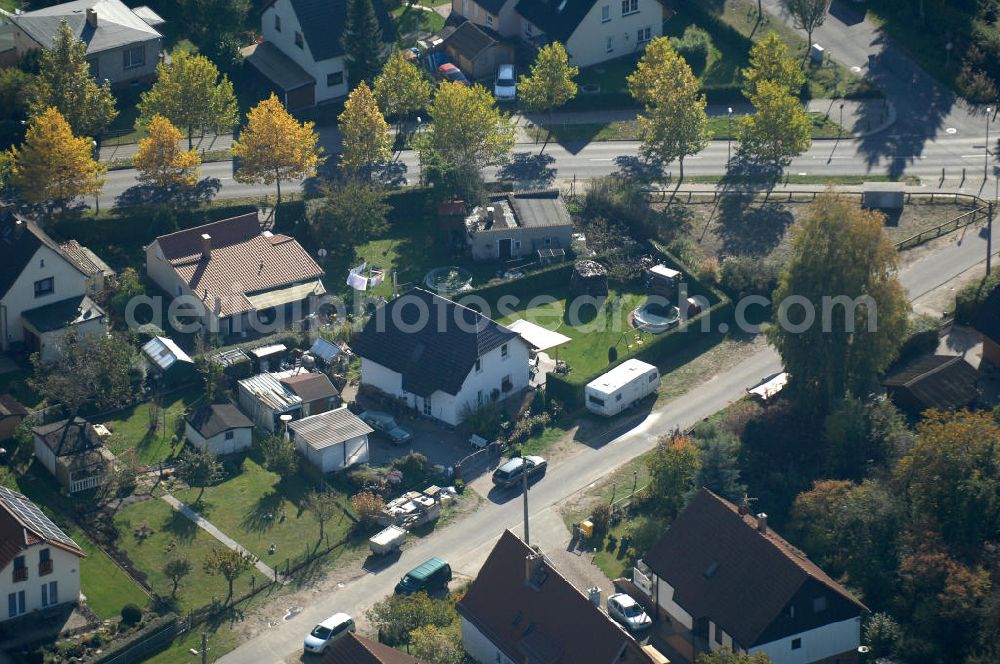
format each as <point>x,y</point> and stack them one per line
<point>477,462</point>
<point>142,649</point>
<point>967,219</point>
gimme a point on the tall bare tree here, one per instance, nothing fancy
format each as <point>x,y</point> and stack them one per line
<point>808,15</point>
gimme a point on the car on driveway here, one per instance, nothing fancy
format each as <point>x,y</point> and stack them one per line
<point>451,73</point>
<point>505,88</point>
<point>386,425</point>
<point>328,632</point>
<point>628,613</point>
<point>510,473</point>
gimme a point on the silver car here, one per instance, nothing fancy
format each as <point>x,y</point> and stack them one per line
<point>628,613</point>
<point>386,425</point>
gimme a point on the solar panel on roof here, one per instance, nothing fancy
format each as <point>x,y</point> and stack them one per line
<point>33,518</point>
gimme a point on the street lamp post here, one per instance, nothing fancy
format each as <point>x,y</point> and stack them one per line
<point>986,155</point>
<point>840,127</point>
<point>97,197</point>
<point>420,164</point>
<point>729,138</point>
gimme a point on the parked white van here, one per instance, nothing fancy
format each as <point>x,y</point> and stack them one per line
<point>621,388</point>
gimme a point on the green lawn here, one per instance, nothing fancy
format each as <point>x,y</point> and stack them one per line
<point>595,332</point>
<point>409,20</point>
<point>173,536</point>
<point>248,508</point>
<point>133,431</point>
<point>105,585</point>
<point>628,130</point>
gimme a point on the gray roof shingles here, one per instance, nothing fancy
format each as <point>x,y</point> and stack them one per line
<point>117,25</point>
<point>323,21</point>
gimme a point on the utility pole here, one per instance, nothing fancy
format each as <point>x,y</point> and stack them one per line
<point>729,138</point>
<point>986,156</point>
<point>989,237</point>
<point>204,648</point>
<point>524,486</point>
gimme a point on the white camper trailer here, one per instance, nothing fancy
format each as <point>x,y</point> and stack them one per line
<point>622,387</point>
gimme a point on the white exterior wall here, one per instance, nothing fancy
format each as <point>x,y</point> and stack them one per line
<point>241,440</point>
<point>507,22</point>
<point>65,572</point>
<point>479,647</point>
<point>665,598</point>
<point>285,41</point>
<point>46,456</point>
<point>450,408</point>
<point>51,342</point>
<point>67,282</point>
<point>588,44</point>
<point>817,644</point>
<point>727,640</point>
<point>163,275</point>
<point>330,459</point>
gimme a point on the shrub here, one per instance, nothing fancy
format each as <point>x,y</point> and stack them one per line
<point>708,270</point>
<point>968,299</point>
<point>131,614</point>
<point>921,337</point>
<point>414,464</point>
<point>527,426</point>
<point>746,275</point>
<point>601,518</point>
<point>484,421</point>
<point>368,507</point>
<point>694,46</point>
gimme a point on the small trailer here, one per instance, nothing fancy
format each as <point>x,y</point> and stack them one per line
<point>622,387</point>
<point>387,541</point>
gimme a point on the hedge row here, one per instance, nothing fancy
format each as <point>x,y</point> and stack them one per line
<point>140,641</point>
<point>547,281</point>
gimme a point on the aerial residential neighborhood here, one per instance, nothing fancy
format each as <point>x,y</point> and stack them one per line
<point>499,332</point>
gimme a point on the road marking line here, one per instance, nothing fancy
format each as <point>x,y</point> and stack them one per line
<point>602,159</point>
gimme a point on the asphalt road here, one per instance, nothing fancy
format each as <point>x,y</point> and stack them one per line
<point>564,163</point>
<point>467,542</point>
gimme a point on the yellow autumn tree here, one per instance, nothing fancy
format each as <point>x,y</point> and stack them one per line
<point>53,166</point>
<point>365,132</point>
<point>274,146</point>
<point>160,162</point>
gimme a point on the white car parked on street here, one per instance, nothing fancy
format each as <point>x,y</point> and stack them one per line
<point>328,632</point>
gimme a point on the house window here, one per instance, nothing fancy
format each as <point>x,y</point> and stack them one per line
<point>134,57</point>
<point>819,604</point>
<point>44,562</point>
<point>605,13</point>
<point>50,593</point>
<point>15,604</point>
<point>299,41</point>
<point>479,366</point>
<point>335,79</point>
<point>506,385</point>
<point>609,44</point>
<point>645,34</point>
<point>489,20</point>
<point>791,610</point>
<point>277,23</point>
<point>630,7</point>
<point>465,7</point>
<point>427,405</point>
<point>503,351</point>
<point>796,644</point>
<point>618,397</point>
<point>718,634</point>
<point>475,10</point>
<point>41,263</point>
<point>230,435</point>
<point>20,569</point>
<point>45,287</point>
<point>479,398</point>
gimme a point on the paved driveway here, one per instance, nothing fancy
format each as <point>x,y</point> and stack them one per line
<point>440,446</point>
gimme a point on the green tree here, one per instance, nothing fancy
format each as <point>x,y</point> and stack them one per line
<point>275,146</point>
<point>64,82</point>
<point>467,131</point>
<point>362,40</point>
<point>881,634</point>
<point>175,570</point>
<point>951,477</point>
<point>6,168</point>
<point>216,26</point>
<point>438,645</point>
<point>401,88</point>
<point>349,213</point>
<point>398,616</point>
<point>323,505</point>
<point>228,564</point>
<point>365,142</point>
<point>843,269</point>
<point>777,130</point>
<point>719,467</point>
<point>550,84</point>
<point>189,93</point>
<point>53,166</point>
<point>199,468</point>
<point>675,124</point>
<point>279,455</point>
<point>771,61</point>
<point>673,466</point>
<point>807,14</point>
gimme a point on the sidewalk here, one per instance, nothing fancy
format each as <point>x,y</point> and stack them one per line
<point>207,526</point>
<point>206,143</point>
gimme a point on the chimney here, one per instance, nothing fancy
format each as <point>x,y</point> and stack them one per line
<point>206,246</point>
<point>92,17</point>
<point>531,564</point>
<point>762,523</point>
<point>491,213</point>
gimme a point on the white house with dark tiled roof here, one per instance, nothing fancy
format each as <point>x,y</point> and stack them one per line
<point>440,358</point>
<point>39,563</point>
<point>234,276</point>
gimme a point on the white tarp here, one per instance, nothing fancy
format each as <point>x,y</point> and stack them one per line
<point>537,336</point>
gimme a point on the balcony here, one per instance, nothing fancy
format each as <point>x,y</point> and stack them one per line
<point>20,574</point>
<point>44,567</point>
